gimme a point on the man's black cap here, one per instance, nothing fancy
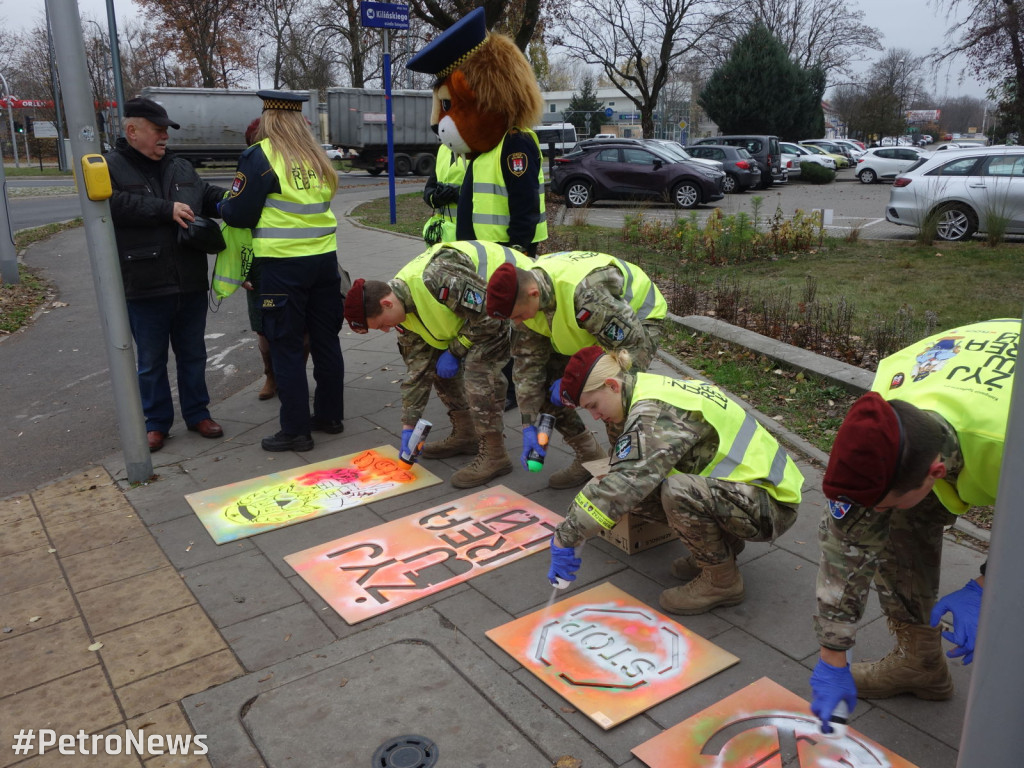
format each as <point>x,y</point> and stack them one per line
<point>149,109</point>
<point>442,55</point>
<point>282,100</point>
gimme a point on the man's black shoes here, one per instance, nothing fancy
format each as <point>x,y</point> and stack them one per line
<point>330,427</point>
<point>282,441</point>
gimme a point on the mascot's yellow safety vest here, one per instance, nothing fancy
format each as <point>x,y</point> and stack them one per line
<point>747,452</point>
<point>296,221</point>
<point>433,321</point>
<point>448,169</point>
<point>490,197</point>
<point>965,375</point>
<point>566,271</point>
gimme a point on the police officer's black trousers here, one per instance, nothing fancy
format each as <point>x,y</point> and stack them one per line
<point>299,294</point>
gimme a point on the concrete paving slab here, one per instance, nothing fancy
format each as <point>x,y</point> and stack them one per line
<point>238,462</point>
<point>22,535</point>
<point>16,507</point>
<point>47,603</point>
<point>53,759</point>
<point>135,599</point>
<point>239,587</point>
<point>72,505</point>
<point>472,614</point>
<point>893,733</point>
<point>45,654</point>
<point>27,569</point>
<point>175,684</point>
<point>164,498</point>
<point>96,531</point>
<point>278,635</point>
<point>187,543</point>
<point>114,562</point>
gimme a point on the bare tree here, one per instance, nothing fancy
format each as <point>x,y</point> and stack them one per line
<point>519,19</point>
<point>638,43</point>
<point>145,63</point>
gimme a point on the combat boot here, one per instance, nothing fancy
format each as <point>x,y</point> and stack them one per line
<point>461,441</point>
<point>686,568</point>
<point>492,461</point>
<point>716,586</point>
<point>270,385</point>
<point>916,665</point>
<point>586,448</point>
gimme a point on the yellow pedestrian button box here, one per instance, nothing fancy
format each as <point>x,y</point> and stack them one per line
<point>96,176</point>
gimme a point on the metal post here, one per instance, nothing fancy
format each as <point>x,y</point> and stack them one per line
<point>8,253</point>
<point>10,118</point>
<point>99,234</point>
<point>391,126</point>
<point>995,700</point>
<point>115,65</point>
<point>63,161</point>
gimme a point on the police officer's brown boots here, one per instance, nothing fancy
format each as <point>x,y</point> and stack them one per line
<point>461,441</point>
<point>491,462</point>
<point>687,568</point>
<point>270,385</point>
<point>716,586</point>
<point>916,665</point>
<point>586,447</point>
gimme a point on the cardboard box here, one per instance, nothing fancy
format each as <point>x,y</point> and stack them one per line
<point>635,534</point>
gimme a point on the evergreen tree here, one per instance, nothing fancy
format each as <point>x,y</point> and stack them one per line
<point>760,90</point>
<point>581,104</point>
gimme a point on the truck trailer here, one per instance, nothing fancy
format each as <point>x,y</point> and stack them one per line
<point>357,120</point>
<point>213,120</point>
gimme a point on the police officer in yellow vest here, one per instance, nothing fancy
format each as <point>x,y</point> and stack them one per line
<point>925,445</point>
<point>564,302</point>
<point>282,191</point>
<point>689,456</point>
<point>441,193</point>
<point>448,343</point>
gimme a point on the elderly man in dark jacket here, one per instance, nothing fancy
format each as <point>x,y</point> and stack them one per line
<point>156,195</point>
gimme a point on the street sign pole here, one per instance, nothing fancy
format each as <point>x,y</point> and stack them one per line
<point>391,126</point>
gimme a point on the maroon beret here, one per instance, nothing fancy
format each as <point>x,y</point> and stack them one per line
<point>577,371</point>
<point>502,289</point>
<point>865,454</point>
<point>355,307</point>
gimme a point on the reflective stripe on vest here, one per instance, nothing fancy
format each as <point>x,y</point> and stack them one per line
<point>433,321</point>
<point>747,452</point>
<point>965,375</point>
<point>490,197</point>
<point>567,270</point>
<point>294,222</point>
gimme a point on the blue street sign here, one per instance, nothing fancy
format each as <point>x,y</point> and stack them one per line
<point>628,116</point>
<point>387,15</point>
<point>608,111</point>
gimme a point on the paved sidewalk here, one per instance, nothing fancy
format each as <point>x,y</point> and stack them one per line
<point>229,643</point>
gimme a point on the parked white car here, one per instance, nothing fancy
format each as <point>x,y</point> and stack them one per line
<point>964,190</point>
<point>806,155</point>
<point>882,163</point>
<point>790,161</point>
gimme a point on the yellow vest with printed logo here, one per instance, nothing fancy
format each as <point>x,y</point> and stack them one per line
<point>433,321</point>
<point>747,452</point>
<point>490,197</point>
<point>298,221</point>
<point>567,270</point>
<point>965,375</point>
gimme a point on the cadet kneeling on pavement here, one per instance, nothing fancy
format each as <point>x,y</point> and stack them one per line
<point>925,445</point>
<point>689,456</point>
<point>560,304</point>
<point>436,303</point>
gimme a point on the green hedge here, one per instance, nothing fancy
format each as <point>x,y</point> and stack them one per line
<point>816,174</point>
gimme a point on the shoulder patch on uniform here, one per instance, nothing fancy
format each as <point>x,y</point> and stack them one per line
<point>583,315</point>
<point>400,330</point>
<point>442,293</point>
<point>472,298</point>
<point>238,184</point>
<point>613,331</point>
<point>627,448</point>
<point>897,381</point>
<point>517,163</point>
<point>838,509</point>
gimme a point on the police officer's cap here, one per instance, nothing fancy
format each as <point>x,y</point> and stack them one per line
<point>285,100</point>
<point>442,55</point>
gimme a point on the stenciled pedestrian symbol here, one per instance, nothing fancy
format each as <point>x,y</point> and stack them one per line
<point>610,655</point>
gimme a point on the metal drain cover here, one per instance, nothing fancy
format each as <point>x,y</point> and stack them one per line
<point>406,752</point>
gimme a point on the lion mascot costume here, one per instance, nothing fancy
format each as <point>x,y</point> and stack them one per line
<point>485,100</point>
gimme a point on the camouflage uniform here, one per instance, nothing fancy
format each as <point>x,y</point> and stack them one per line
<point>598,306</point>
<point>899,549</point>
<point>662,437</point>
<point>479,385</point>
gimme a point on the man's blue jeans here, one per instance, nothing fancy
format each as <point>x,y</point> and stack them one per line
<point>179,320</point>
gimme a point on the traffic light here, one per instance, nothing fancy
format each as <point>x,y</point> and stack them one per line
<point>28,123</point>
<point>18,128</point>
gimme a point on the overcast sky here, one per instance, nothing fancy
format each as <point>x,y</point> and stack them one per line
<point>911,24</point>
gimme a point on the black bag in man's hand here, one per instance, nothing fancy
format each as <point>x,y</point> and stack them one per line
<point>203,234</point>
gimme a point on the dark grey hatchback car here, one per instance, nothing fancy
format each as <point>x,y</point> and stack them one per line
<point>741,169</point>
<point>625,171</point>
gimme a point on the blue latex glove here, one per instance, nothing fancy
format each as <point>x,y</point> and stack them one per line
<point>830,685</point>
<point>406,448</point>
<point>564,563</point>
<point>555,392</point>
<point>447,365</point>
<point>530,444</point>
<point>965,605</point>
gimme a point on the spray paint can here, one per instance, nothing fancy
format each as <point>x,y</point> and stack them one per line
<point>838,720</point>
<point>416,440</point>
<point>558,582</point>
<point>545,425</point>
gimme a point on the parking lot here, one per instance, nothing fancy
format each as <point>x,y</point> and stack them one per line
<point>853,206</point>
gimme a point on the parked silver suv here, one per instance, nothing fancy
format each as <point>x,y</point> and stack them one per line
<point>966,190</point>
